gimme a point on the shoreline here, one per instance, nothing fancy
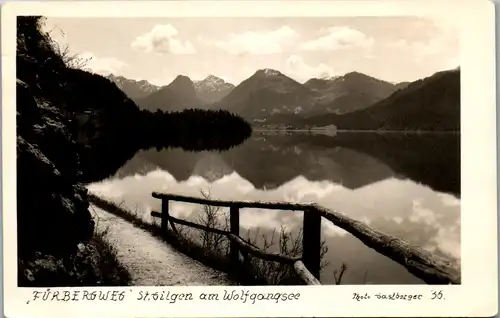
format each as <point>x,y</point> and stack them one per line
<point>406,132</point>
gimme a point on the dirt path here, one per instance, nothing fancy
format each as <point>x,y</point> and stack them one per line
<point>150,261</point>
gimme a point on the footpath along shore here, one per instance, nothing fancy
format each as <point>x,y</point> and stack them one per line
<point>150,261</point>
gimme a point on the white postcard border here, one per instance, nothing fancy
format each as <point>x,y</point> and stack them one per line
<point>478,294</point>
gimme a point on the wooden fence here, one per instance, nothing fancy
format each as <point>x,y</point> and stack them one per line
<point>418,262</point>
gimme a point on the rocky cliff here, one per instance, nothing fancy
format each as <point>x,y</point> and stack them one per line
<point>56,241</point>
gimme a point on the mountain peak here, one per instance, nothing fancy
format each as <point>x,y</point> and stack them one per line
<point>113,77</point>
<point>133,88</point>
<point>268,72</point>
<point>182,78</point>
<point>329,78</point>
<point>268,93</point>
<point>213,78</point>
<point>212,88</point>
<point>181,82</point>
<point>178,95</point>
<point>357,77</point>
<point>355,74</point>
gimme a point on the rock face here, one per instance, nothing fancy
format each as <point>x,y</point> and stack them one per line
<point>52,208</point>
<point>53,214</point>
<point>54,225</point>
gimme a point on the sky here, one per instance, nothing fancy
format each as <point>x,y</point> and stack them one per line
<point>394,49</point>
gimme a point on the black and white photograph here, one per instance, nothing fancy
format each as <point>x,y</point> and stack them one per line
<point>245,151</point>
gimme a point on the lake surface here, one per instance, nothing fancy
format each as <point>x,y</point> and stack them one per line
<point>403,185</point>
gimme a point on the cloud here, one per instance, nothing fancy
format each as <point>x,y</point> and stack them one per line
<point>338,38</point>
<point>449,200</point>
<point>424,215</point>
<point>162,39</point>
<point>438,41</point>
<point>102,65</point>
<point>422,51</point>
<point>302,71</point>
<point>251,42</point>
<point>400,43</point>
<point>420,48</point>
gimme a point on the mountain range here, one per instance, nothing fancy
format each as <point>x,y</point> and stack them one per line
<point>209,90</point>
<point>176,96</point>
<point>429,104</point>
<point>351,92</point>
<point>351,101</point>
<point>134,89</point>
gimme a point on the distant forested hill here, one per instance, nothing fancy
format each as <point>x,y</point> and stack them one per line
<point>430,104</point>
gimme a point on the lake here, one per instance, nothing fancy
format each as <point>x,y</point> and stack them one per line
<point>401,184</point>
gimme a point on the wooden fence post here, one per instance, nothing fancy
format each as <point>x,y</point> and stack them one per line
<point>311,241</point>
<point>234,223</point>
<point>164,216</point>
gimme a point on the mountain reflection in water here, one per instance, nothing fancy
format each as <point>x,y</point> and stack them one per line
<point>403,185</point>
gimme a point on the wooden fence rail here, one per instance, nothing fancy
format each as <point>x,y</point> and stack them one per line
<point>415,260</point>
<point>238,245</point>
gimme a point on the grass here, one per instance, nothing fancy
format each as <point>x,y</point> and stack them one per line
<point>94,264</point>
<point>212,249</point>
<point>112,271</point>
